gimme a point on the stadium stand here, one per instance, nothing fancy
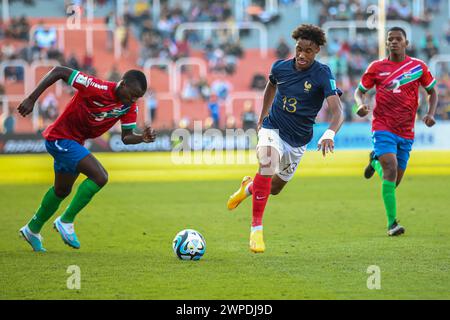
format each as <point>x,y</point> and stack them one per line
<point>120,35</point>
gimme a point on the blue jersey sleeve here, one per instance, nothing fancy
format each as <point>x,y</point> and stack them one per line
<point>273,76</point>
<point>328,82</point>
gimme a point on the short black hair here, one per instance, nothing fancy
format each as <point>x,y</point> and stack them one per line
<point>310,32</point>
<point>398,29</point>
<point>136,77</point>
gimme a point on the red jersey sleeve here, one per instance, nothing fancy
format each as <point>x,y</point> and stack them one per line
<point>427,80</point>
<point>87,85</point>
<point>368,78</point>
<point>128,120</point>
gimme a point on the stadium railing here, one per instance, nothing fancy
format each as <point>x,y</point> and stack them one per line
<point>176,78</point>
<point>176,107</point>
<point>235,27</point>
<point>353,25</point>
<point>89,29</point>
<point>435,60</point>
<point>33,70</point>
<point>17,63</point>
<point>243,95</point>
<point>152,62</point>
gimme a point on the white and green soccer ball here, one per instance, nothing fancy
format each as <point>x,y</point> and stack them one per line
<point>189,245</point>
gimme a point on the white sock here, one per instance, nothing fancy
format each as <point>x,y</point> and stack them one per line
<point>29,230</point>
<point>256,228</point>
<point>67,226</point>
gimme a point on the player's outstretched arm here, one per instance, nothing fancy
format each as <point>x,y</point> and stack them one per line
<point>129,137</point>
<point>326,142</point>
<point>363,109</point>
<point>428,119</point>
<point>57,73</point>
<point>269,95</point>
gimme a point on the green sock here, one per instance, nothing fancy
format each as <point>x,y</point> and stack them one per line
<point>377,166</point>
<point>390,203</point>
<point>85,192</point>
<point>50,203</point>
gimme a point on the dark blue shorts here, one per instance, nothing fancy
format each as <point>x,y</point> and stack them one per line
<point>67,154</point>
<point>388,142</point>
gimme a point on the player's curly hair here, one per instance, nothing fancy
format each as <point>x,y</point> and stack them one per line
<point>310,32</point>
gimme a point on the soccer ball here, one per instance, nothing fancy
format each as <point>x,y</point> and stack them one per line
<point>189,245</point>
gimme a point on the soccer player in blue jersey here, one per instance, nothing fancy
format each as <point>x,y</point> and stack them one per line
<point>293,96</point>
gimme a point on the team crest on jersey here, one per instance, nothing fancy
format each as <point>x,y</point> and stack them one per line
<point>308,86</point>
<point>114,113</point>
<point>83,80</point>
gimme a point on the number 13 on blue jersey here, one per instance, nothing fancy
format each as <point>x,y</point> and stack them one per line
<point>289,104</point>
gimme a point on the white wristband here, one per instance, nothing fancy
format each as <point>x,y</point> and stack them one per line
<point>327,135</point>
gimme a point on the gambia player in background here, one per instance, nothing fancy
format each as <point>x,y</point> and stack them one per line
<point>293,96</point>
<point>95,108</point>
<point>397,79</point>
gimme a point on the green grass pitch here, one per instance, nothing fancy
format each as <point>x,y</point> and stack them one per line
<point>322,232</point>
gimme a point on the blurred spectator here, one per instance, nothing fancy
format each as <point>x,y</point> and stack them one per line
<point>110,22</point>
<point>232,51</point>
<point>45,37</point>
<point>18,28</point>
<point>122,35</point>
<point>152,104</point>
<point>282,50</point>
<point>48,110</point>
<point>49,107</point>
<point>54,54</point>
<point>14,73</point>
<point>221,87</point>
<point>447,33</point>
<point>257,13</point>
<point>72,62</point>
<point>190,91</point>
<point>8,50</point>
<point>249,117</point>
<point>258,82</point>
<point>213,107</point>
<point>141,10</point>
<point>217,61</point>
<point>433,5</point>
<point>9,122</point>
<point>183,49</point>
<point>204,88</point>
<point>399,10</point>
<point>230,122</point>
<point>150,46</point>
<point>88,64</point>
<point>430,45</point>
<point>114,75</point>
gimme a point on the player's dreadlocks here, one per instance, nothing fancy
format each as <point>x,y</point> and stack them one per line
<point>136,77</point>
<point>310,32</point>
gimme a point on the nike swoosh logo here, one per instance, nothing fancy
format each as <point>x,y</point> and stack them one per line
<point>260,198</point>
<point>281,82</point>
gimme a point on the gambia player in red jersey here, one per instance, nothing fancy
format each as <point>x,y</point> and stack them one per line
<point>397,80</point>
<point>93,110</point>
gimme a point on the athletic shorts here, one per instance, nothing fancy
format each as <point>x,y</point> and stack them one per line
<point>289,156</point>
<point>67,154</point>
<point>388,142</point>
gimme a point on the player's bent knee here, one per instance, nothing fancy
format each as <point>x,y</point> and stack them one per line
<point>268,164</point>
<point>275,191</point>
<point>62,192</point>
<point>101,180</point>
<point>267,169</point>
